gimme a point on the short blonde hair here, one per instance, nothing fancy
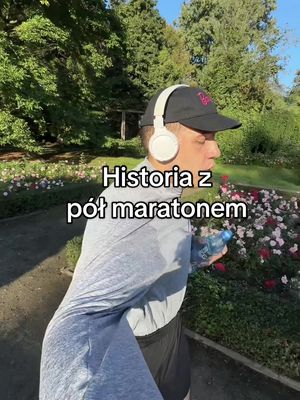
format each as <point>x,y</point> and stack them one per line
<point>146,132</point>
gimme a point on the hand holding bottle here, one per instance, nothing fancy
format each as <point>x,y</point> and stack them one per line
<point>206,250</point>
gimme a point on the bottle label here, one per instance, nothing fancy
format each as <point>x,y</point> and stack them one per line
<point>203,253</point>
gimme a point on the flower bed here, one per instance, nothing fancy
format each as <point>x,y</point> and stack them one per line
<point>17,176</point>
<point>27,187</point>
<point>266,244</point>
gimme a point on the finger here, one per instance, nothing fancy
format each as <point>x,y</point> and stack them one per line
<point>218,256</point>
<point>224,251</point>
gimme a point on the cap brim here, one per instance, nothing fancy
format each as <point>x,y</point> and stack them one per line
<point>211,123</point>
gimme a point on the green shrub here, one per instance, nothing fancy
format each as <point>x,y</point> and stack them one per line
<point>15,132</point>
<point>262,327</point>
<point>112,146</point>
<point>271,138</point>
<point>276,132</point>
<point>73,250</point>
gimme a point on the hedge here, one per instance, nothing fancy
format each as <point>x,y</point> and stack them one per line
<point>26,202</point>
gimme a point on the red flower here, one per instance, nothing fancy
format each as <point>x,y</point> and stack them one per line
<point>271,221</point>
<point>265,253</point>
<point>220,267</point>
<point>224,178</point>
<point>270,284</point>
<point>255,195</point>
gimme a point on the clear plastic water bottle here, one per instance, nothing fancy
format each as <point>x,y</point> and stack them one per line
<point>205,247</point>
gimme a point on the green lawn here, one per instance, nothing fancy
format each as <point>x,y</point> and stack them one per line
<point>130,162</point>
<point>269,178</point>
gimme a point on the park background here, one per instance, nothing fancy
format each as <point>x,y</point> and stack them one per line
<point>75,77</point>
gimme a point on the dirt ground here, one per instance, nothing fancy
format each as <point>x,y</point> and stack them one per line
<point>31,288</point>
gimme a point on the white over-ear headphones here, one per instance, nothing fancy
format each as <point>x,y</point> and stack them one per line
<point>163,144</point>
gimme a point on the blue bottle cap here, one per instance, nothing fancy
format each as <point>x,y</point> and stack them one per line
<point>227,235</point>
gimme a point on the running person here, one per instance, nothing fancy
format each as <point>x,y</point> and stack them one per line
<point>117,334</point>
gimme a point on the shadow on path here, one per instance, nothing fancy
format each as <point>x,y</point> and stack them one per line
<point>27,241</point>
<point>27,304</point>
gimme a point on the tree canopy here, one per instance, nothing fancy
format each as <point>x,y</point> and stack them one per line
<point>232,44</point>
<point>65,66</point>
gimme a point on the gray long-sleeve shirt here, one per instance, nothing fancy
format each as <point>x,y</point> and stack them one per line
<point>130,280</point>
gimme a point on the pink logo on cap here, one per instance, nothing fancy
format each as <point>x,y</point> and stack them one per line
<point>205,100</point>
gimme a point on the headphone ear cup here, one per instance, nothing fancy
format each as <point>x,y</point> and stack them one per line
<point>163,145</point>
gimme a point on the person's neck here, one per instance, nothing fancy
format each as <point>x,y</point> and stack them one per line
<point>158,165</point>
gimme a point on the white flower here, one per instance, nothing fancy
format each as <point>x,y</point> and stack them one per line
<point>284,279</point>
<point>292,235</point>
<point>280,241</point>
<point>5,194</point>
<point>250,233</point>
<point>258,227</point>
<point>277,211</point>
<point>294,248</point>
<point>243,252</point>
<point>275,251</point>
<point>279,219</point>
<point>277,232</point>
<point>272,243</point>
<point>282,226</point>
<point>266,238</point>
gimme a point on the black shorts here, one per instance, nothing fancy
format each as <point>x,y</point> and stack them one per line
<point>166,352</point>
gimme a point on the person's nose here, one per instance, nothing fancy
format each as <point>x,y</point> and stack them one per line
<point>215,150</point>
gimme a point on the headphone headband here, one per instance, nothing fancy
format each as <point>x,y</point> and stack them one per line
<point>160,105</point>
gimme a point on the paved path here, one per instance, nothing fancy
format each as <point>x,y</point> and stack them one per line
<point>31,287</point>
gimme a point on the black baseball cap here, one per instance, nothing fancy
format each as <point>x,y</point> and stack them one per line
<point>192,107</point>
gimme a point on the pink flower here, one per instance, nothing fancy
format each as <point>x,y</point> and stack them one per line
<point>220,267</point>
<point>270,284</point>
<point>236,195</point>
<point>294,249</point>
<point>224,188</point>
